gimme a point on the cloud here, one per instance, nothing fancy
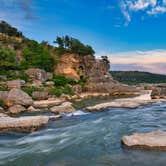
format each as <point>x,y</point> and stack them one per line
<point>151,61</point>
<point>148,7</point>
<point>10,7</point>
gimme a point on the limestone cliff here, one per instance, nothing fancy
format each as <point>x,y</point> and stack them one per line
<point>96,72</point>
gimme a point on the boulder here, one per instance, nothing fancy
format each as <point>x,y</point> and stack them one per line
<point>17,96</point>
<point>16,109</point>
<point>15,84</point>
<point>1,109</point>
<point>3,96</point>
<point>47,103</point>
<point>66,107</point>
<point>32,109</point>
<point>40,95</point>
<point>155,140</point>
<point>158,93</point>
<point>37,74</point>
<point>22,124</point>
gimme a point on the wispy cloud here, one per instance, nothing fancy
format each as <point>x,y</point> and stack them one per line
<point>152,61</point>
<point>148,7</point>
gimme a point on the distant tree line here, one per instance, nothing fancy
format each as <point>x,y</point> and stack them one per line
<point>137,77</point>
<point>9,30</point>
<point>73,45</point>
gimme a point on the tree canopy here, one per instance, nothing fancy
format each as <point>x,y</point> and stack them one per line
<point>9,30</point>
<point>73,45</point>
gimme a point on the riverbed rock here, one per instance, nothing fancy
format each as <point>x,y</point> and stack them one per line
<point>155,140</point>
<point>15,84</point>
<point>40,95</point>
<point>22,124</point>
<point>123,103</point>
<point>66,107</point>
<point>16,109</point>
<point>17,96</point>
<point>32,109</point>
<point>159,93</point>
<point>47,103</point>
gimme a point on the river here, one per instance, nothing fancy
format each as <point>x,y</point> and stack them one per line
<point>87,139</point>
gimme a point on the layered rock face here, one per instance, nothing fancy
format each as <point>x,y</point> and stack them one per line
<point>95,71</point>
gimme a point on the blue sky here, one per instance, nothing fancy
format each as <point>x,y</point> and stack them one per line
<point>120,29</point>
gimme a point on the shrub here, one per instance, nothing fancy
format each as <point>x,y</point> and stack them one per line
<point>30,90</point>
<point>60,80</point>
<point>8,59</point>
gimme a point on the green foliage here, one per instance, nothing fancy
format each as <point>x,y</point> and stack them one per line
<point>136,77</point>
<point>73,45</point>
<point>36,55</point>
<point>30,90</point>
<point>60,80</point>
<point>59,90</point>
<point>8,59</point>
<point>13,75</point>
<point>9,30</point>
<point>2,104</point>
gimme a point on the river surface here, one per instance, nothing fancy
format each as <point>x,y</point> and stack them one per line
<point>87,139</point>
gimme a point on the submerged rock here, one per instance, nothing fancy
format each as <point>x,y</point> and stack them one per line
<point>155,140</point>
<point>63,108</point>
<point>23,124</point>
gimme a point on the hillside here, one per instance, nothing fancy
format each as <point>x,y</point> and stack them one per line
<point>137,77</point>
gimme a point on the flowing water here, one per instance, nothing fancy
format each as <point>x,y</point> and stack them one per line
<point>87,139</point>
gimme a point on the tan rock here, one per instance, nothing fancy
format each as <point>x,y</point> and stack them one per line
<point>47,103</point>
<point>15,84</point>
<point>155,140</point>
<point>3,96</point>
<point>124,102</point>
<point>17,96</point>
<point>37,74</point>
<point>32,109</point>
<point>16,109</point>
<point>63,108</point>
<point>40,95</point>
<point>23,124</point>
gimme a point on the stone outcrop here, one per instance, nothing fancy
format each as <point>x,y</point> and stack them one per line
<point>23,124</point>
<point>17,96</point>
<point>38,74</point>
<point>16,109</point>
<point>94,71</point>
<point>69,65</point>
<point>66,107</point>
<point>15,84</point>
<point>151,141</point>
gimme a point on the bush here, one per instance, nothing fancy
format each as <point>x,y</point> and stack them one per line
<point>37,55</point>
<point>30,90</point>
<point>60,80</point>
<point>58,91</point>
<point>8,59</point>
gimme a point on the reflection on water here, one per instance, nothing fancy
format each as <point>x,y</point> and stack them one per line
<point>86,140</point>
